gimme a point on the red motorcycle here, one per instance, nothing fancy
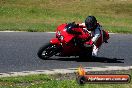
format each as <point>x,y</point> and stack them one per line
<point>65,44</point>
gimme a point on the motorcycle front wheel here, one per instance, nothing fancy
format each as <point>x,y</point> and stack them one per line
<point>47,51</point>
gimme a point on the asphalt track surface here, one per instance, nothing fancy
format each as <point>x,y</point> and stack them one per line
<point>18,53</point>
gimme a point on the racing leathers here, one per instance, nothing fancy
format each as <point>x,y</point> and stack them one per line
<point>98,36</point>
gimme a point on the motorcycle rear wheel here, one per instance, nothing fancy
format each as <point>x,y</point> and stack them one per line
<point>47,51</point>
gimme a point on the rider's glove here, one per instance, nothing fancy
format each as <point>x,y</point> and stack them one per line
<point>76,25</point>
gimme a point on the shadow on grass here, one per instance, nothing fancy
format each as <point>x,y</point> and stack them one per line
<point>95,59</point>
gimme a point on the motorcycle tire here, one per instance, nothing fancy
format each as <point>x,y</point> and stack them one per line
<point>47,51</point>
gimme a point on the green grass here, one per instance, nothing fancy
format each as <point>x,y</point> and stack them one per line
<point>54,81</point>
<point>46,15</point>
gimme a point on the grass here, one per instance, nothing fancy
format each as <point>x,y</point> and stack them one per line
<point>46,15</point>
<point>54,81</point>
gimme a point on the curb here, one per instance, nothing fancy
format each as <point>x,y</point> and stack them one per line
<point>65,71</point>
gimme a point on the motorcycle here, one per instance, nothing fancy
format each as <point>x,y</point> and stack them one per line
<point>65,44</point>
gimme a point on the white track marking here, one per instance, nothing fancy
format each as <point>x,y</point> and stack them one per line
<point>12,31</point>
<point>64,71</point>
<point>42,32</point>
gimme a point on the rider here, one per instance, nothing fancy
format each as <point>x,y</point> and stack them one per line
<point>98,35</point>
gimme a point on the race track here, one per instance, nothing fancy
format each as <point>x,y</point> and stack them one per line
<point>18,53</point>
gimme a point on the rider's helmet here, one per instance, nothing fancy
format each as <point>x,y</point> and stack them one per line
<point>91,23</point>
